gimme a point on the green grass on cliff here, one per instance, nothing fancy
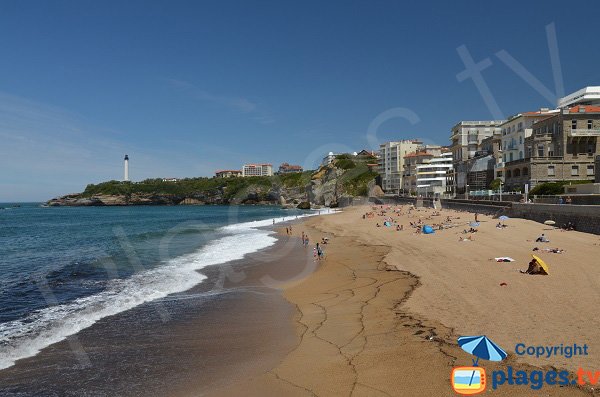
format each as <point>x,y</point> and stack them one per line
<point>355,181</point>
<point>191,186</point>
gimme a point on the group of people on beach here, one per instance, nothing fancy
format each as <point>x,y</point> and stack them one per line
<point>388,212</point>
<point>318,252</point>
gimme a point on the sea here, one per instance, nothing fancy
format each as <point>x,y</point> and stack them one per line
<point>62,269</point>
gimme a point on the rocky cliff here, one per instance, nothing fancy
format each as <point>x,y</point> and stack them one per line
<point>322,188</point>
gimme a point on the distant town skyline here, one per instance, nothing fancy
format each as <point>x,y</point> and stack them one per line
<point>189,88</point>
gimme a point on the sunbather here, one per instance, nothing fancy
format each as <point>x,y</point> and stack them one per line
<point>534,268</point>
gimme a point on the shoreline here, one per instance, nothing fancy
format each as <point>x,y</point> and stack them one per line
<point>401,349</point>
<point>231,325</point>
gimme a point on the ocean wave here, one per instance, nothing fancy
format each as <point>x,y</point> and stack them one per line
<point>26,337</point>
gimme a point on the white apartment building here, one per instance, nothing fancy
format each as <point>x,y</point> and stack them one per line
<point>516,129</point>
<point>432,175</point>
<point>257,170</point>
<point>391,162</point>
<point>466,143</point>
<point>467,136</point>
<point>584,96</point>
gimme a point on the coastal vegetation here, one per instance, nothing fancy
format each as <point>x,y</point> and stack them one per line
<point>554,188</point>
<point>346,175</point>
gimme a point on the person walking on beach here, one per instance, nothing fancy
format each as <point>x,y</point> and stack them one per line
<point>315,253</point>
<point>319,252</point>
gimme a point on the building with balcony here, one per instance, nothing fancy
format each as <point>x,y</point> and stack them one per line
<point>467,137</point>
<point>257,170</point>
<point>409,172</point>
<point>561,147</point>
<point>584,96</point>
<point>432,175</point>
<point>391,162</point>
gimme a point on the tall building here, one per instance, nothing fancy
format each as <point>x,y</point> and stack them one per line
<point>432,174</point>
<point>126,168</point>
<point>467,137</point>
<point>257,170</point>
<point>411,160</point>
<point>391,162</point>
<point>561,147</point>
<point>514,132</point>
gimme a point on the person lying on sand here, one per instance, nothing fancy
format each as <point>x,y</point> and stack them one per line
<point>469,238</point>
<point>554,250</point>
<point>534,268</point>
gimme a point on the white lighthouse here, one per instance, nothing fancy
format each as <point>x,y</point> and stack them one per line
<point>126,169</point>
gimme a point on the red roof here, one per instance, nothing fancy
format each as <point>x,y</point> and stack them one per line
<point>219,171</point>
<point>587,109</point>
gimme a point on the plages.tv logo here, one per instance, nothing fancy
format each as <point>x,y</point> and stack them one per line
<point>472,380</point>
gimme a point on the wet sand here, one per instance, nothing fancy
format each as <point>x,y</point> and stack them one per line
<point>234,325</point>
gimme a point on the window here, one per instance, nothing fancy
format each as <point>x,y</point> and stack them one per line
<point>591,148</point>
<point>589,124</point>
<point>590,170</point>
<point>508,174</point>
<point>517,173</point>
<point>540,150</point>
<point>551,170</point>
<point>574,124</point>
<point>574,170</point>
<point>529,152</point>
<point>499,174</point>
<point>550,153</point>
<point>520,140</point>
<point>520,154</point>
<point>511,156</point>
<point>525,171</point>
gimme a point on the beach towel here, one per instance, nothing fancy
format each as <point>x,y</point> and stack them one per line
<point>504,259</point>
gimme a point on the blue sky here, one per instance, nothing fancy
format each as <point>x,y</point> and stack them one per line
<point>188,87</point>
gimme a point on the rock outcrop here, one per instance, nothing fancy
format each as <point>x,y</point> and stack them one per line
<point>326,188</point>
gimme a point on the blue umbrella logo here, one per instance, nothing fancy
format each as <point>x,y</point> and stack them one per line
<point>481,347</point>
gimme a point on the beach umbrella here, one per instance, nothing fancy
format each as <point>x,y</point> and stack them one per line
<point>428,229</point>
<point>549,222</point>
<point>481,347</point>
<point>474,224</point>
<point>542,263</point>
<point>504,218</point>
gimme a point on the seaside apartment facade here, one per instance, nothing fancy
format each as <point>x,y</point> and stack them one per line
<point>514,133</point>
<point>391,163</point>
<point>257,170</point>
<point>467,138</point>
<point>561,147</point>
<point>432,175</point>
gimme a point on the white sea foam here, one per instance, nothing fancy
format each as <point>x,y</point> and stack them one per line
<point>26,337</point>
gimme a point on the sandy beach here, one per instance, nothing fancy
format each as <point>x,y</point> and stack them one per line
<point>382,313</point>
